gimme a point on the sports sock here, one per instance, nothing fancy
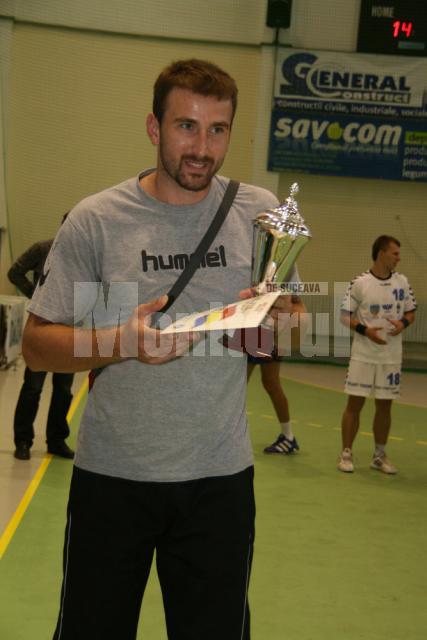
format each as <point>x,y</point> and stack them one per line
<point>379,450</point>
<point>287,430</point>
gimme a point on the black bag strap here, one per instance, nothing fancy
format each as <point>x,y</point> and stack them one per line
<point>202,249</point>
<point>195,260</point>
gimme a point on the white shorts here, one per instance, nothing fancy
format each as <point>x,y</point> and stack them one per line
<point>380,380</point>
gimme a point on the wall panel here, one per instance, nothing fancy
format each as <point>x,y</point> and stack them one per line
<point>223,20</point>
<point>78,107</point>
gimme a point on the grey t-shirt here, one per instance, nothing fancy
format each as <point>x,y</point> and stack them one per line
<point>185,419</point>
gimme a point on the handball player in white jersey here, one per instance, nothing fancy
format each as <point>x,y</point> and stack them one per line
<point>379,305</point>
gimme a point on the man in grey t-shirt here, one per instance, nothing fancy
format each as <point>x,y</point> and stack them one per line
<point>163,460</point>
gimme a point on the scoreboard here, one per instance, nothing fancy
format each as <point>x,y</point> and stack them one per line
<point>395,27</point>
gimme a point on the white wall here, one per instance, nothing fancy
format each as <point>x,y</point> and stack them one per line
<point>330,24</point>
<point>236,21</point>
<point>5,47</point>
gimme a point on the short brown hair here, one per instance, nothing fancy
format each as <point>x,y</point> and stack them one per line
<point>198,76</point>
<point>381,244</point>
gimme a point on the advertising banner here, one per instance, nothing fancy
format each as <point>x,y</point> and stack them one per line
<point>350,114</point>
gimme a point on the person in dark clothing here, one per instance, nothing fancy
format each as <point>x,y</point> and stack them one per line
<point>32,259</point>
<point>57,429</point>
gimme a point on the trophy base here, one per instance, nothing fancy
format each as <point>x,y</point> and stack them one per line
<point>256,341</point>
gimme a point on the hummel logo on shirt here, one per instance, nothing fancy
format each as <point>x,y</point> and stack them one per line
<point>180,260</point>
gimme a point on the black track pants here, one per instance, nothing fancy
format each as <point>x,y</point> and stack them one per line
<point>202,532</point>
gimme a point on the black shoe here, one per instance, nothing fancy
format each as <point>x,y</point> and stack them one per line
<point>22,451</point>
<point>61,449</point>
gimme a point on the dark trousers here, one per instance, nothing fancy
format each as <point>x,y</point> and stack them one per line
<point>28,403</point>
<point>202,532</point>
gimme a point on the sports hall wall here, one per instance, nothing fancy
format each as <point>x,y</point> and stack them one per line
<point>76,82</point>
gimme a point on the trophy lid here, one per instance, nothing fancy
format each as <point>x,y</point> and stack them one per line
<point>285,218</point>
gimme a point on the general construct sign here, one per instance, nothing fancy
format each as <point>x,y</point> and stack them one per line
<point>350,114</point>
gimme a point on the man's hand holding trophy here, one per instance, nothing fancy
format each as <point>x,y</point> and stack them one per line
<point>279,236</point>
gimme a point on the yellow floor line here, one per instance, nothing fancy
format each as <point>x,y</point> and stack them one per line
<point>77,400</point>
<point>32,487</point>
<point>319,426</point>
<point>22,507</point>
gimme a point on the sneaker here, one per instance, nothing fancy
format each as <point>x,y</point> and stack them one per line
<point>22,451</point>
<point>283,445</point>
<point>345,461</point>
<point>382,463</point>
<point>61,449</point>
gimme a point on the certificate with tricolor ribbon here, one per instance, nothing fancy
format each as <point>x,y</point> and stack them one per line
<point>238,315</point>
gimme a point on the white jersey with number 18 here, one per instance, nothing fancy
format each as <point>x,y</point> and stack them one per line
<point>374,301</point>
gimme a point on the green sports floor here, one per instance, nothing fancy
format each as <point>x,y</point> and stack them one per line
<point>337,556</point>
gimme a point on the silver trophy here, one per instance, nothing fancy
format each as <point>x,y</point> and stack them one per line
<point>279,236</point>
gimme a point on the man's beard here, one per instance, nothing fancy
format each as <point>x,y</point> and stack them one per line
<point>184,178</point>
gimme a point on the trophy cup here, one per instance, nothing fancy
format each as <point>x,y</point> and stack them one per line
<point>279,236</point>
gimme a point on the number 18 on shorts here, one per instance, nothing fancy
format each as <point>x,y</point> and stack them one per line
<point>381,381</point>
